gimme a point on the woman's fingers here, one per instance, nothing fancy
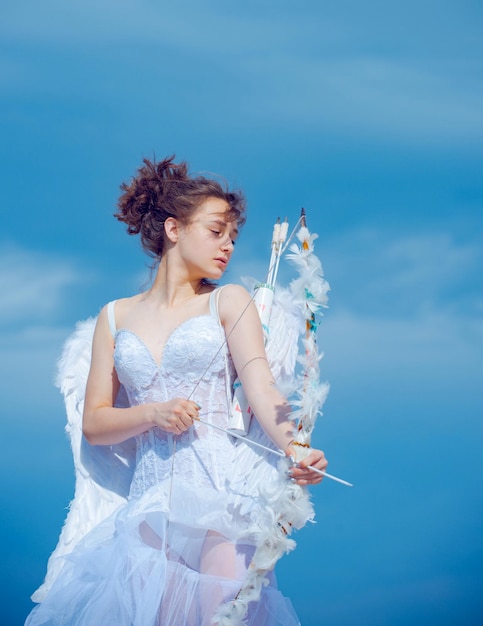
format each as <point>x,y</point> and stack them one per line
<point>177,415</point>
<point>187,412</point>
<point>303,475</point>
<point>316,459</point>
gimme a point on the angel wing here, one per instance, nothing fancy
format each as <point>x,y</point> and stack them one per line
<point>102,473</point>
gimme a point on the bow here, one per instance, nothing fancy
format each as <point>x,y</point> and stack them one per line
<point>286,506</point>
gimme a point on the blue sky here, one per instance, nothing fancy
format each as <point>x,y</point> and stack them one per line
<point>370,115</point>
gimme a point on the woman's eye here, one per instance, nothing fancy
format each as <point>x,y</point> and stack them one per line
<point>216,232</point>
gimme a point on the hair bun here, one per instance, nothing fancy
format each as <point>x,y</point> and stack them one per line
<point>165,189</point>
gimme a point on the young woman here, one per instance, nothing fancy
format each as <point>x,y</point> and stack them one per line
<point>179,547</point>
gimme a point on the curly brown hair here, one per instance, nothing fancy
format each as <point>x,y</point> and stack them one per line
<point>165,189</point>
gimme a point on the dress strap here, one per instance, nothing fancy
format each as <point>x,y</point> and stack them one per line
<point>111,317</point>
<point>214,310</point>
<point>214,300</point>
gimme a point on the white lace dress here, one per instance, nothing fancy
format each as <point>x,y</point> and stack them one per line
<point>179,547</point>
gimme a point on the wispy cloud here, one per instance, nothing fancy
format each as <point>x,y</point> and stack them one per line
<point>35,288</point>
<point>378,96</point>
<point>435,347</point>
<point>32,284</point>
<point>379,273</point>
<point>27,371</point>
<point>312,69</point>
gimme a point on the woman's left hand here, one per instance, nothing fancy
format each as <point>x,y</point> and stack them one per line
<point>300,472</point>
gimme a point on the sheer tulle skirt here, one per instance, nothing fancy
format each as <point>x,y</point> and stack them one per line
<point>143,567</point>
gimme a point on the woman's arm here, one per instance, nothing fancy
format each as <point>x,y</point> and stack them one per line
<point>245,340</point>
<point>103,424</point>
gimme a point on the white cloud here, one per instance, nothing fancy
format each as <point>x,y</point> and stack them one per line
<point>32,283</point>
<point>411,99</point>
<point>27,371</point>
<point>380,273</point>
<point>432,346</point>
<point>113,21</point>
<point>35,288</point>
<point>307,68</point>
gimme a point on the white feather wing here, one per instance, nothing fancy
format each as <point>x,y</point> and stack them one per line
<point>102,473</point>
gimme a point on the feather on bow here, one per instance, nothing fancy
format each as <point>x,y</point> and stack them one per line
<point>286,506</point>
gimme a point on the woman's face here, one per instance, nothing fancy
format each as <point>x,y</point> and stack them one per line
<point>206,243</point>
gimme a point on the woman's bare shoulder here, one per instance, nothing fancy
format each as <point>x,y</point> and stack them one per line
<point>122,307</point>
<point>233,299</point>
<point>235,292</point>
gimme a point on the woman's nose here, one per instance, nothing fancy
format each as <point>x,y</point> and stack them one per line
<point>228,244</point>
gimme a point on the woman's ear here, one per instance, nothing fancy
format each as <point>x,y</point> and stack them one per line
<point>171,228</point>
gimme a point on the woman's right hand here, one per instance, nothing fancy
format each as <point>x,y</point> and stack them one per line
<point>174,416</point>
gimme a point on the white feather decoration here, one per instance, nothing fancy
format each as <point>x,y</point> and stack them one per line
<point>285,506</point>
